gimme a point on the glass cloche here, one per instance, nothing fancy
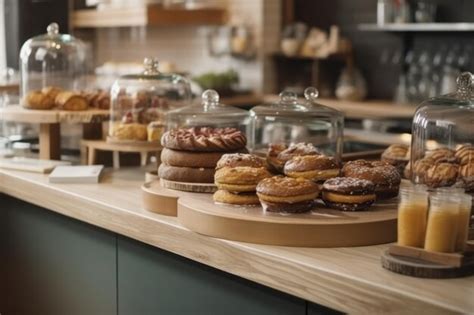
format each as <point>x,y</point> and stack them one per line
<point>442,147</point>
<point>210,113</point>
<point>139,103</point>
<point>48,61</point>
<point>291,121</point>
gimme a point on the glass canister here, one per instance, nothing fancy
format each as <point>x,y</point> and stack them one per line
<point>139,103</point>
<point>291,121</point>
<point>442,148</point>
<point>210,113</point>
<point>51,60</point>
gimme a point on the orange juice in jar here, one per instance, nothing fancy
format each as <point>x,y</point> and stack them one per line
<point>412,213</point>
<point>463,221</point>
<point>442,227</point>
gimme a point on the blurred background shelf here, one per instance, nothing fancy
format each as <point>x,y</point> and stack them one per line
<point>151,15</point>
<point>417,27</point>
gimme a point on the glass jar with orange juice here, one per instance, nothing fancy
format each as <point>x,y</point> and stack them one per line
<point>412,214</point>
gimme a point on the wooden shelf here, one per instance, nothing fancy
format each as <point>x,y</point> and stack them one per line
<point>151,15</point>
<point>417,27</point>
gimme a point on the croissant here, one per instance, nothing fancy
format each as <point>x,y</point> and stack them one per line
<point>51,91</point>
<point>38,100</point>
<point>71,101</point>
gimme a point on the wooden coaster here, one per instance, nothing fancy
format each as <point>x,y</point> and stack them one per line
<point>416,267</point>
<point>322,227</point>
<point>190,187</point>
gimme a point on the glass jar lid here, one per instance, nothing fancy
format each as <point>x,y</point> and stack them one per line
<point>464,94</point>
<point>209,105</point>
<point>52,41</point>
<point>290,105</point>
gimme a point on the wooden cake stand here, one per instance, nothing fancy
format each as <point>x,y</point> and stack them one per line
<point>322,227</point>
<point>49,124</point>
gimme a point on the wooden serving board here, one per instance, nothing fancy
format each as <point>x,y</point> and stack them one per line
<point>322,227</point>
<point>415,267</point>
<point>17,113</point>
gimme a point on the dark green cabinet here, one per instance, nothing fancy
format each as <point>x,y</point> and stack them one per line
<point>51,264</point>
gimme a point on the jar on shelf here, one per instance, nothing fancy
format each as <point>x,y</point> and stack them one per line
<point>442,147</point>
<point>209,113</point>
<point>51,62</point>
<point>139,103</point>
<point>290,121</point>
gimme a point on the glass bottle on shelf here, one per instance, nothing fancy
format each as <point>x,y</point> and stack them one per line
<point>139,103</point>
<point>291,121</point>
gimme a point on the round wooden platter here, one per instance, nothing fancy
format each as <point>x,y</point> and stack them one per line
<point>135,144</point>
<point>321,227</point>
<point>189,187</point>
<point>414,267</point>
<point>159,199</point>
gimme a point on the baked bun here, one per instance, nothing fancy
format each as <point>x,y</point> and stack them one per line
<point>465,154</point>
<point>420,167</point>
<point>186,174</point>
<point>240,178</point>
<point>204,139</point>
<point>67,100</point>
<point>441,155</point>
<point>190,159</point>
<point>224,196</point>
<point>384,176</point>
<point>348,194</point>
<point>441,175</point>
<point>279,154</point>
<point>312,167</point>
<point>38,100</point>
<point>287,194</point>
<point>240,159</point>
<point>466,176</point>
<point>133,131</point>
<point>51,91</point>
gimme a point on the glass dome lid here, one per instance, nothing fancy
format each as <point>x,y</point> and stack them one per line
<point>442,147</point>
<point>291,121</point>
<point>209,113</point>
<point>52,59</point>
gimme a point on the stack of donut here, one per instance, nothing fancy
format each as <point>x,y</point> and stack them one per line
<point>190,155</point>
<point>237,176</point>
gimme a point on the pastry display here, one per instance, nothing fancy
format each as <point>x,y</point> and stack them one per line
<point>348,194</point>
<point>198,149</point>
<point>51,91</point>
<point>397,155</point>
<point>384,176</point>
<point>67,100</point>
<point>279,154</point>
<point>465,154</point>
<point>466,176</point>
<point>204,139</point>
<point>237,177</point>
<point>186,174</point>
<point>287,194</point>
<point>38,100</point>
<point>441,155</point>
<point>313,167</point>
<point>97,99</point>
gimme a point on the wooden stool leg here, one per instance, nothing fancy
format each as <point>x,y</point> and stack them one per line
<point>50,141</point>
<point>84,155</point>
<point>116,159</point>
<point>91,156</point>
<point>144,158</point>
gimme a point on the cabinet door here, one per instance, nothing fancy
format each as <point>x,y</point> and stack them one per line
<point>153,281</point>
<point>54,264</point>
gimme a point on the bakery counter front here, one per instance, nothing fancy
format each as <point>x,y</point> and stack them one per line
<point>92,249</point>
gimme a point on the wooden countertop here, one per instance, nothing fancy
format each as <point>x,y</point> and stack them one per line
<point>373,109</point>
<point>346,279</point>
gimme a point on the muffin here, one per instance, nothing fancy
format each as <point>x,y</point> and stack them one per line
<point>313,167</point>
<point>348,194</point>
<point>397,155</point>
<point>384,176</point>
<point>287,194</point>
